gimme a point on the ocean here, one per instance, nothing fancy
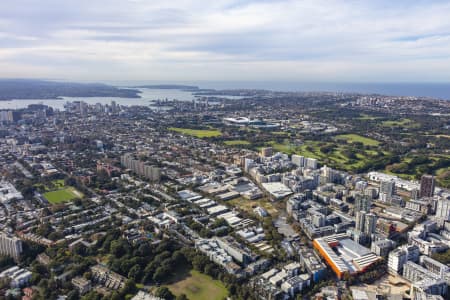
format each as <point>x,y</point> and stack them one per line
<point>433,90</point>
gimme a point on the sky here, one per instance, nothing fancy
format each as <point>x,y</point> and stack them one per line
<point>176,40</point>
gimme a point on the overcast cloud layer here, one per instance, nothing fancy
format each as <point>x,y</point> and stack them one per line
<point>317,40</point>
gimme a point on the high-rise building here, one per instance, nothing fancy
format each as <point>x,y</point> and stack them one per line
<point>113,107</point>
<point>360,221</point>
<point>311,163</point>
<point>426,186</point>
<point>266,151</point>
<point>370,224</point>
<point>443,209</point>
<point>129,161</point>
<point>298,160</point>
<point>398,257</point>
<point>10,246</point>
<point>387,190</point>
<point>362,202</point>
<point>6,116</point>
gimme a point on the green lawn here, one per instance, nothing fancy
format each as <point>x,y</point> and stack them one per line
<point>338,156</point>
<point>285,147</point>
<point>62,195</point>
<point>406,123</point>
<point>367,117</point>
<point>200,133</point>
<point>198,286</point>
<point>236,143</point>
<point>350,138</point>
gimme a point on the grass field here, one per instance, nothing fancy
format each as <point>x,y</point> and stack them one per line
<point>406,123</point>
<point>367,117</point>
<point>285,147</point>
<point>198,286</point>
<point>62,195</point>
<point>200,133</point>
<point>338,156</point>
<point>249,205</point>
<point>236,143</point>
<point>350,138</point>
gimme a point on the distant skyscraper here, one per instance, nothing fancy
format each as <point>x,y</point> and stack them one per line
<point>6,116</point>
<point>426,186</point>
<point>113,106</point>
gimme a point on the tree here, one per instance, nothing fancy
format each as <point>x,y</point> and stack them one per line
<point>182,297</point>
<point>73,295</point>
<point>129,288</point>
<point>165,293</point>
<point>135,273</point>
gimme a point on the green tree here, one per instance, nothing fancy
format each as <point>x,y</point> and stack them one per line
<point>182,297</point>
<point>165,293</point>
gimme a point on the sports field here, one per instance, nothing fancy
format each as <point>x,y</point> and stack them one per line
<point>200,133</point>
<point>62,195</point>
<point>198,286</point>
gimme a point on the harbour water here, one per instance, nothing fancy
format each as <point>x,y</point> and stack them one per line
<point>147,96</point>
<point>434,90</point>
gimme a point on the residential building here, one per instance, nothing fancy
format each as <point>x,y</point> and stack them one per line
<point>387,190</point>
<point>82,284</point>
<point>443,209</point>
<point>362,202</point>
<point>426,186</point>
<point>10,246</point>
<point>398,257</point>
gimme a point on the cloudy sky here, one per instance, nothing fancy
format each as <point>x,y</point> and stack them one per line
<point>316,40</point>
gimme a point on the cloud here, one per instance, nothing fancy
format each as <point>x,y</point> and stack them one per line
<point>315,40</point>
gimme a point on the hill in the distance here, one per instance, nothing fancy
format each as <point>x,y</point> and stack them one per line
<point>170,87</point>
<point>43,89</point>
